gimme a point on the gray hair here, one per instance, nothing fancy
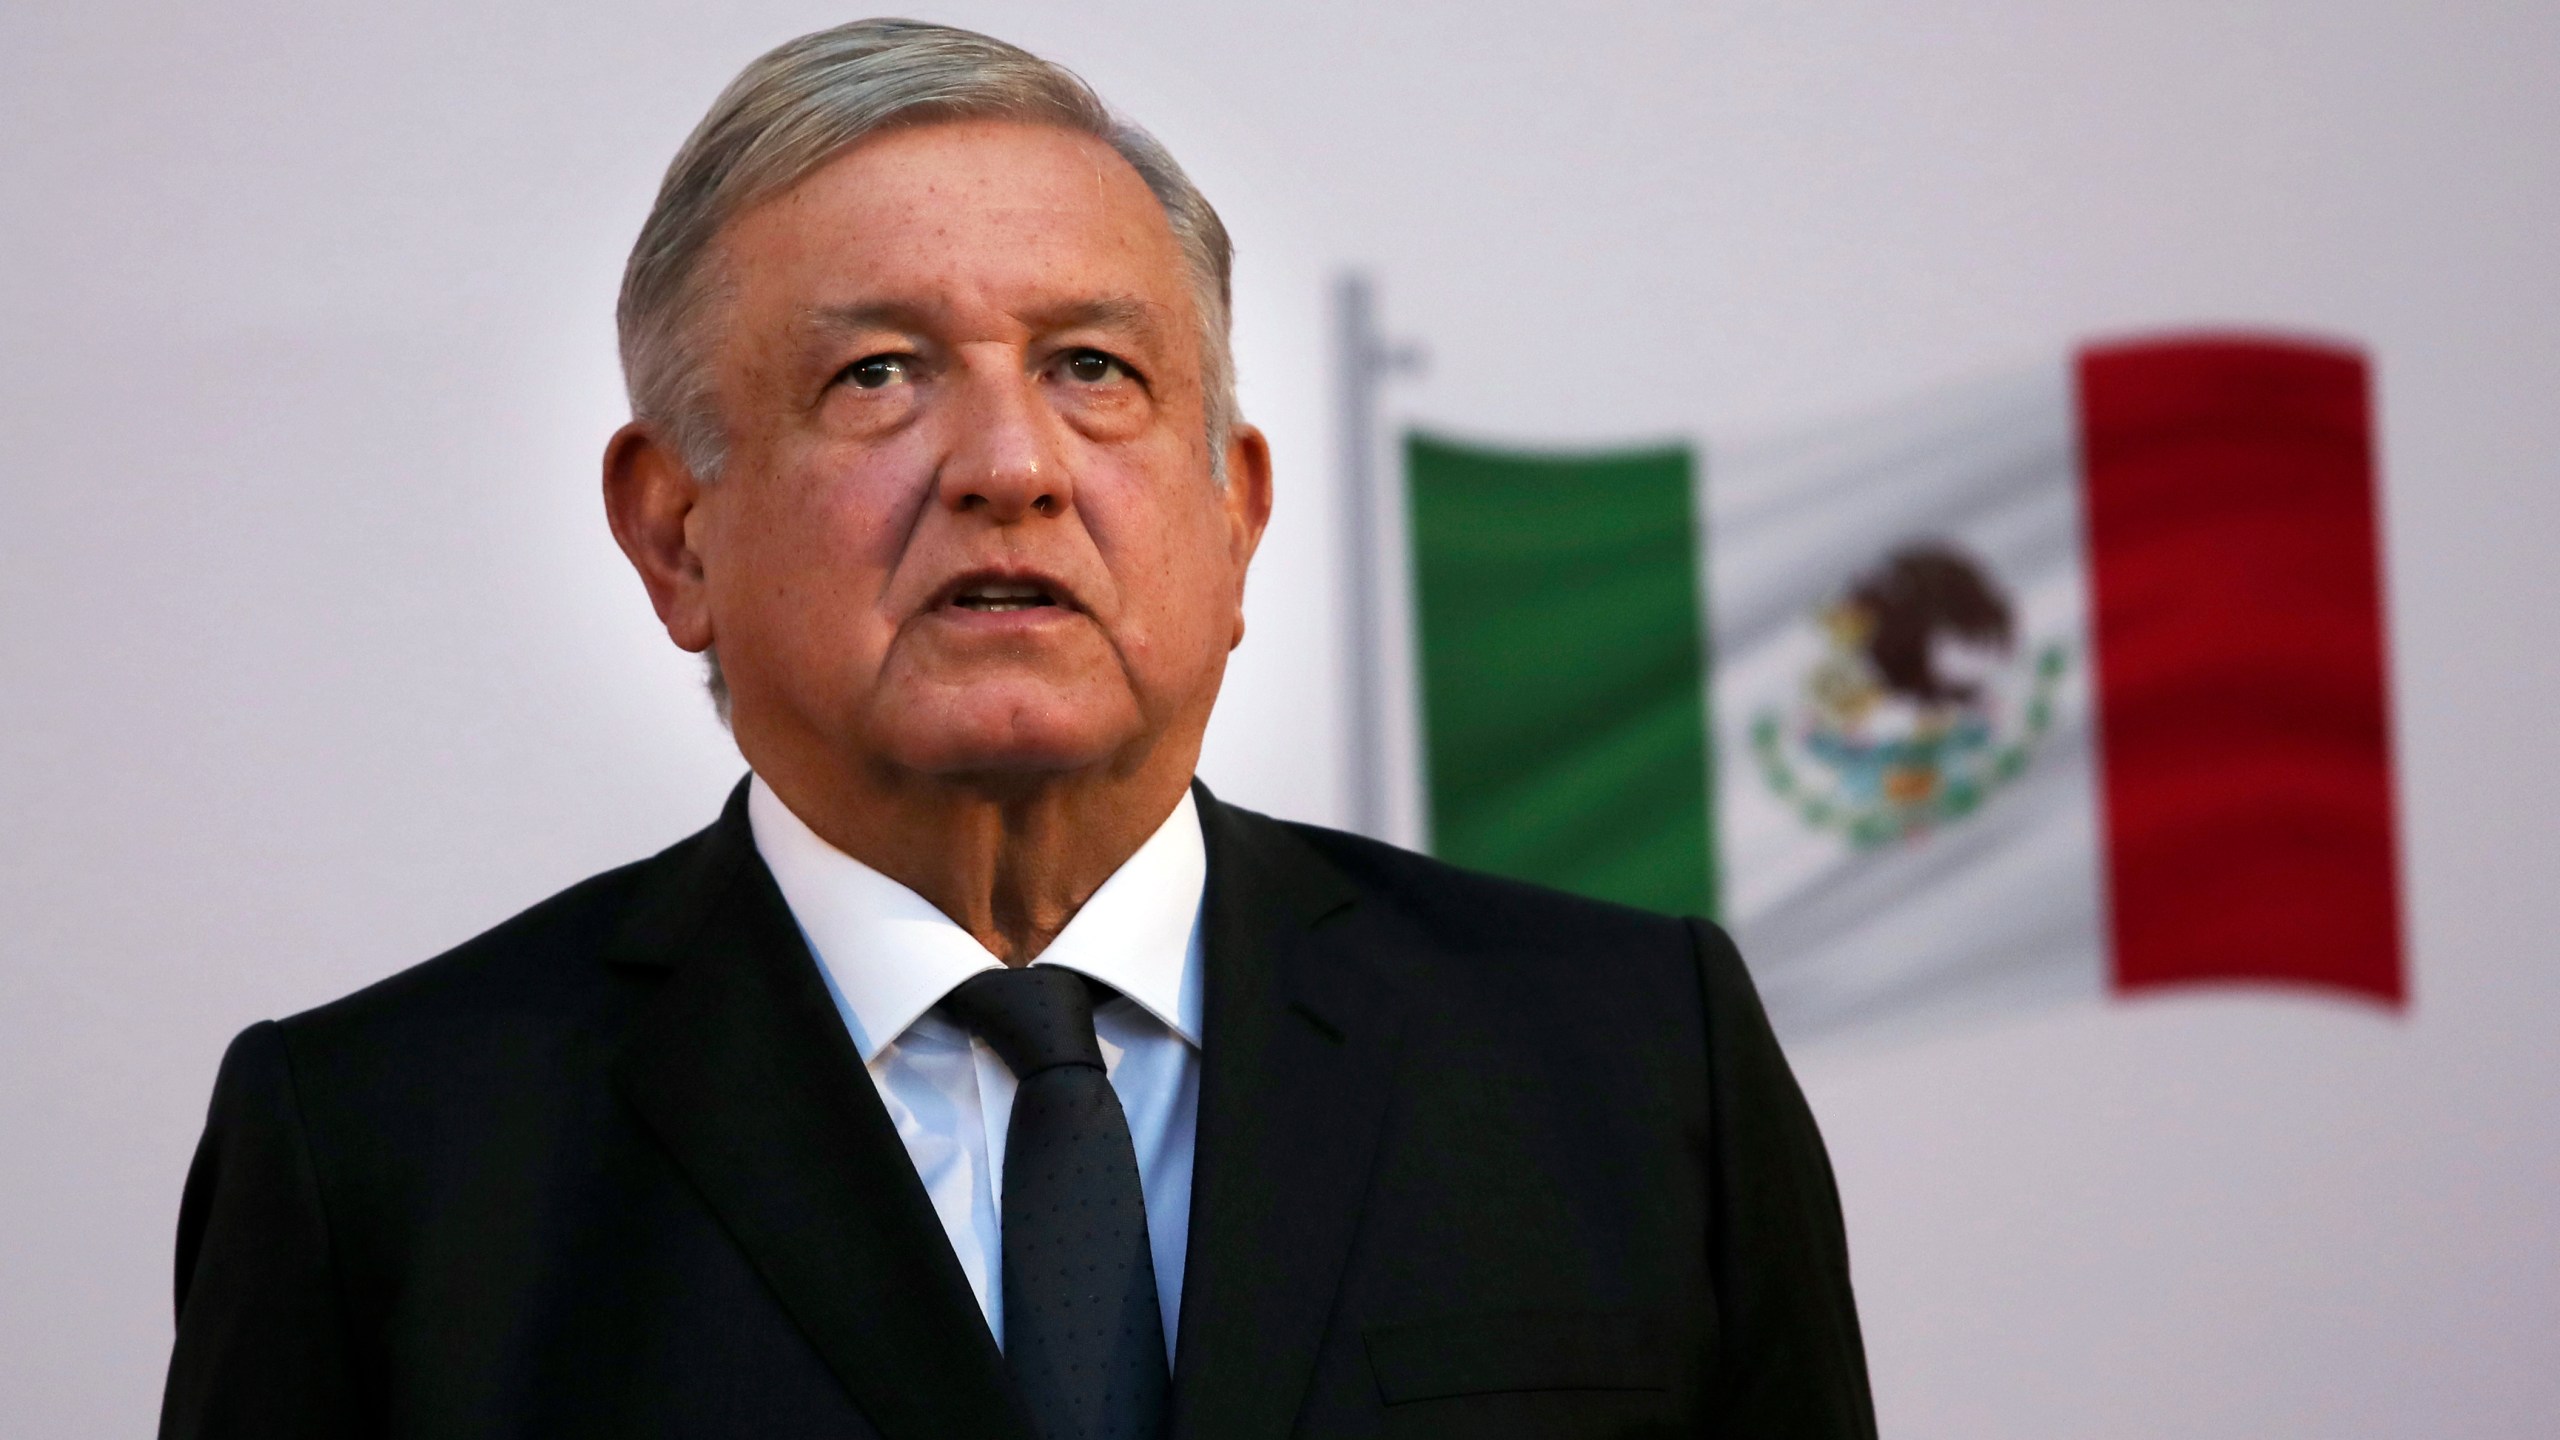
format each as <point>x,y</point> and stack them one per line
<point>806,102</point>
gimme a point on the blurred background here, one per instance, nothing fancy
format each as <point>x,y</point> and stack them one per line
<point>318,658</point>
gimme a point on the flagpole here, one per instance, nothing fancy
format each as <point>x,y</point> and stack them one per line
<point>1364,361</point>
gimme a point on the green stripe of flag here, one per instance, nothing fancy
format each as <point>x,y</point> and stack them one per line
<point>1563,672</point>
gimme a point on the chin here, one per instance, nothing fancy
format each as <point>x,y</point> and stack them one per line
<point>1013,734</point>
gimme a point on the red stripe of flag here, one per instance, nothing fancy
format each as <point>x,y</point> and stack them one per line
<point>2243,720</point>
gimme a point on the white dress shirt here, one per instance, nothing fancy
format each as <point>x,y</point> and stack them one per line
<point>888,957</point>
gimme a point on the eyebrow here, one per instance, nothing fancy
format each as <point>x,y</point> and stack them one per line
<point>1107,312</point>
<point>876,315</point>
<point>1111,312</point>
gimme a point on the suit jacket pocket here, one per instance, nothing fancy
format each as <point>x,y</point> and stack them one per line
<point>1516,1350</point>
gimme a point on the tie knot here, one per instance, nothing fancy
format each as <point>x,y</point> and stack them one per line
<point>1034,1018</point>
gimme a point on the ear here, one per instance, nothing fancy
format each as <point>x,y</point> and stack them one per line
<point>651,499</point>
<point>1248,506</point>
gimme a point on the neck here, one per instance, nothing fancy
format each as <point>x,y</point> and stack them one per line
<point>1009,858</point>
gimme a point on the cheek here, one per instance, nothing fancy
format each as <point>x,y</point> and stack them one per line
<point>1171,562</point>
<point>812,546</point>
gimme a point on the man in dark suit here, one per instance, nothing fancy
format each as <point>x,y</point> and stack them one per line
<point>977,1073</point>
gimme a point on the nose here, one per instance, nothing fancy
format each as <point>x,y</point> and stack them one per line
<point>1004,461</point>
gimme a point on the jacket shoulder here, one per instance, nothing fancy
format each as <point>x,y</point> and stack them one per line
<point>1473,909</point>
<point>550,957</point>
<point>1520,948</point>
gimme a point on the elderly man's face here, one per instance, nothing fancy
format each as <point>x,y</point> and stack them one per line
<point>967,525</point>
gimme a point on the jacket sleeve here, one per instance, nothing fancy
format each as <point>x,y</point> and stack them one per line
<point>262,1347</point>
<point>1791,1361</point>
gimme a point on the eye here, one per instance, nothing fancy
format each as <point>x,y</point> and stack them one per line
<point>1092,367</point>
<point>874,372</point>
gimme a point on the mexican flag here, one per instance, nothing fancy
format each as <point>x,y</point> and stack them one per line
<point>2063,683</point>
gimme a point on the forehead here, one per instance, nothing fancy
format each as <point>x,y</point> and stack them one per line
<point>958,217</point>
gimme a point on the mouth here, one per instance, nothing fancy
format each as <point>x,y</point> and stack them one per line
<point>1007,594</point>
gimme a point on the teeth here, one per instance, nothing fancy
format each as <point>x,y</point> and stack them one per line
<point>1002,598</point>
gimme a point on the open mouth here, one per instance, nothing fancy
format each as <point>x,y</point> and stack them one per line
<point>1003,597</point>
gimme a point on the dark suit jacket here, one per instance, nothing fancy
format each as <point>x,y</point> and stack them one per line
<point>1475,1159</point>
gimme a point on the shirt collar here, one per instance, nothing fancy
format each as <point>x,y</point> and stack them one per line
<point>890,956</point>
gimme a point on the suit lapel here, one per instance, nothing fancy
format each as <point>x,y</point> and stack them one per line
<point>745,1074</point>
<point>1298,1058</point>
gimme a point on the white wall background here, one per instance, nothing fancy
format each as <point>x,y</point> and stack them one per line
<point>315,657</point>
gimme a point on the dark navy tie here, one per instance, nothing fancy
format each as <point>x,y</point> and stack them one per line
<point>1083,1334</point>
